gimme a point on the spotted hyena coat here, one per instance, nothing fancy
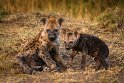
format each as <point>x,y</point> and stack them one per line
<point>43,49</point>
<point>88,45</point>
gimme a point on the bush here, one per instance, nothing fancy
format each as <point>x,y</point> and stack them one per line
<point>3,14</point>
<point>111,19</point>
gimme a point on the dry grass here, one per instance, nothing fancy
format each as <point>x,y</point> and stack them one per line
<point>14,35</point>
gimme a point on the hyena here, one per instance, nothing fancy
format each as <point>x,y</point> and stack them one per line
<point>43,49</point>
<point>88,45</point>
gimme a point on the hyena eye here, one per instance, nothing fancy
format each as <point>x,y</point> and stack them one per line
<point>71,42</point>
<point>47,30</point>
<point>65,42</point>
<point>56,30</point>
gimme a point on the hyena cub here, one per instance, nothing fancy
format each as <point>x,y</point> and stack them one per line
<point>88,45</point>
<point>43,50</point>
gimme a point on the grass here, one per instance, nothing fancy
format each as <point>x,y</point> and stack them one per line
<point>14,35</point>
<point>80,8</point>
<point>111,20</point>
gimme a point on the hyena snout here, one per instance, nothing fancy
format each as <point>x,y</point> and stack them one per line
<point>52,38</point>
<point>69,45</point>
<point>52,35</point>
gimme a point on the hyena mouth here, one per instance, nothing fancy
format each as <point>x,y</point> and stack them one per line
<point>67,48</point>
<point>52,38</point>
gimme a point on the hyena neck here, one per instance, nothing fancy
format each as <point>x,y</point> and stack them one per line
<point>75,44</point>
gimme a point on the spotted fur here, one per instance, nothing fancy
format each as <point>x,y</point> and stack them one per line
<point>43,50</point>
<point>88,45</point>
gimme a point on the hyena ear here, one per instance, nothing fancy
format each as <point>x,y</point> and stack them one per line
<point>43,20</point>
<point>60,20</point>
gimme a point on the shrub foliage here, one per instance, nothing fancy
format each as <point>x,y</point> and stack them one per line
<point>111,19</point>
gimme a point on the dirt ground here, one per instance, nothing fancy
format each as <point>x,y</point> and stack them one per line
<point>17,30</point>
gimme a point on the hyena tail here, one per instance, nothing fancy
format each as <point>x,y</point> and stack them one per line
<point>108,61</point>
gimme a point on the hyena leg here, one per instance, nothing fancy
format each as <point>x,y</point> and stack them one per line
<point>107,61</point>
<point>102,59</point>
<point>23,64</point>
<point>104,62</point>
<point>73,54</point>
<point>36,65</point>
<point>98,64</point>
<point>58,59</point>
<point>48,60</point>
<point>83,62</point>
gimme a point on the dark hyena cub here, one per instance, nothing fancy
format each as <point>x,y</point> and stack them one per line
<point>88,45</point>
<point>43,49</point>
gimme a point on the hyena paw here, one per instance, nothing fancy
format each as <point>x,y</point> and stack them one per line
<point>46,69</point>
<point>28,70</point>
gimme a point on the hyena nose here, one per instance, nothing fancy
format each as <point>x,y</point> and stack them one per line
<point>52,38</point>
<point>67,48</point>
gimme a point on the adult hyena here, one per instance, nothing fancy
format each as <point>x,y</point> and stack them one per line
<point>88,45</point>
<point>43,49</point>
